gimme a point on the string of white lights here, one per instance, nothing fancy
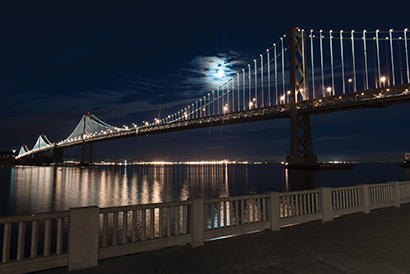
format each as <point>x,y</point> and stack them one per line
<point>283,68</point>
<point>331,61</point>
<point>321,64</point>
<point>342,61</point>
<point>354,63</point>
<point>269,83</point>
<point>228,96</point>
<point>313,63</point>
<point>262,91</point>
<point>391,54</point>
<point>276,76</point>
<point>365,59</point>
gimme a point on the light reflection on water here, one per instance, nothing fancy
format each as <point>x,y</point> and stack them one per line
<point>33,189</point>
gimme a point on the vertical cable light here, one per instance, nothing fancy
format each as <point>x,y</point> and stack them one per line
<point>354,64</point>
<point>276,74</point>
<point>365,59</point>
<point>321,63</point>
<point>283,69</point>
<point>378,57</point>
<point>256,83</point>
<point>341,55</point>
<point>269,83</point>
<point>262,91</point>
<point>313,64</point>
<point>250,94</point>
<point>407,56</point>
<point>391,54</point>
<point>331,61</point>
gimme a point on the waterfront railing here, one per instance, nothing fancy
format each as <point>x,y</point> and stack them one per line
<point>25,248</point>
<point>78,238</point>
<point>235,215</point>
<point>131,229</point>
<point>300,206</point>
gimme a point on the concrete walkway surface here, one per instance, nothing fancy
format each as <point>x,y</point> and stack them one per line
<point>378,242</point>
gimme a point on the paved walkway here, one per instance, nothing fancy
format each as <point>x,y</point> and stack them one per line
<point>378,242</point>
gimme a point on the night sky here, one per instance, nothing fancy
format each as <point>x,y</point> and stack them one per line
<point>130,61</point>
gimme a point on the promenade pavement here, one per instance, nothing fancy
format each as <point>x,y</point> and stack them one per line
<point>378,242</point>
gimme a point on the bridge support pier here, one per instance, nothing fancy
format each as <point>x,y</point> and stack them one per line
<point>301,145</point>
<point>58,156</point>
<point>87,154</point>
<point>40,158</point>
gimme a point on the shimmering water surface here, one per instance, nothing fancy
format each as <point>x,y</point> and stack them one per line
<point>33,189</point>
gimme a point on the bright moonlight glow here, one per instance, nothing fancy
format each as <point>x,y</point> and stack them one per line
<point>221,72</point>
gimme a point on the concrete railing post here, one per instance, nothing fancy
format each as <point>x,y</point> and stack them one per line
<point>365,198</point>
<point>397,202</point>
<point>326,204</point>
<point>83,238</point>
<point>273,210</point>
<point>196,222</point>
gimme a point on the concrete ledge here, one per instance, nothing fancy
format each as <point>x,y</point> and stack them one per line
<point>232,230</point>
<point>130,248</point>
<point>350,210</point>
<point>36,264</point>
<point>405,200</point>
<point>300,219</point>
<point>381,205</point>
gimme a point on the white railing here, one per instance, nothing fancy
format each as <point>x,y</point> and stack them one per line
<point>299,206</point>
<point>235,215</point>
<point>381,195</point>
<point>124,229</point>
<point>404,192</point>
<point>95,233</point>
<point>34,242</point>
<point>347,200</point>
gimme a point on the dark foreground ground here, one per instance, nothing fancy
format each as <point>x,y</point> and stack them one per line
<point>378,242</point>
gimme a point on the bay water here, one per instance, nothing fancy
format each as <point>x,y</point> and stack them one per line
<point>40,189</point>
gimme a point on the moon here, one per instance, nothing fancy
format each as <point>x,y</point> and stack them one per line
<point>221,72</point>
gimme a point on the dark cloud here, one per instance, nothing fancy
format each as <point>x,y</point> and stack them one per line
<point>210,72</point>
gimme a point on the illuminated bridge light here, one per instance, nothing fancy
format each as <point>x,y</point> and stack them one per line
<point>93,129</point>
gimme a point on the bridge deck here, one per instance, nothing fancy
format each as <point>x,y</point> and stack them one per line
<point>372,98</point>
<point>378,242</point>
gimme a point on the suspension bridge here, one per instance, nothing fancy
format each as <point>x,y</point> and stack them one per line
<point>302,74</point>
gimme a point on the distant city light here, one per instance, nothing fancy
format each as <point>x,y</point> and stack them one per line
<point>160,163</point>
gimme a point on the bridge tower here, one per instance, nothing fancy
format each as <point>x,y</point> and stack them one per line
<point>301,145</point>
<point>87,147</point>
